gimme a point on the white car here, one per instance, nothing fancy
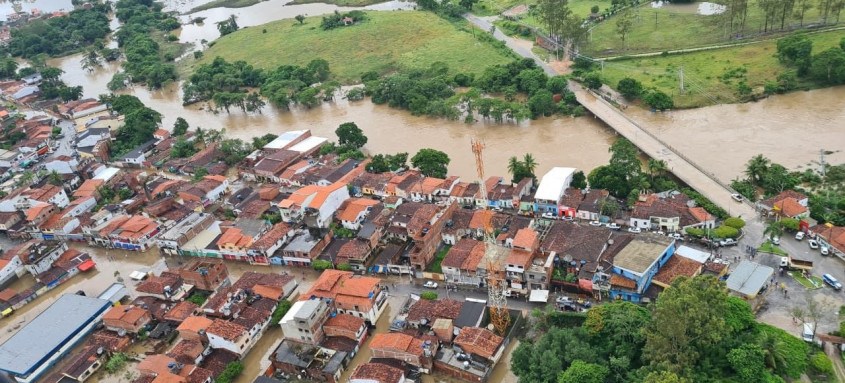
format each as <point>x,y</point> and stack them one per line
<point>549,216</point>
<point>824,250</point>
<point>613,226</point>
<point>676,236</point>
<point>813,244</point>
<point>430,284</point>
<point>775,240</point>
<point>497,209</point>
<point>634,230</point>
<point>727,242</point>
<point>799,235</point>
<point>737,197</point>
<point>595,223</point>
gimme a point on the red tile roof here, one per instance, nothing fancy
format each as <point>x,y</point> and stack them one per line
<point>434,309</point>
<point>345,322</point>
<point>677,266</point>
<point>479,341</point>
<point>226,329</point>
<point>378,372</point>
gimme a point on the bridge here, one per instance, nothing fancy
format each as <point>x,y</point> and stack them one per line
<point>687,171</point>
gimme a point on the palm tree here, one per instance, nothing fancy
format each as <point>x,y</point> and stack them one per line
<point>514,167</point>
<point>773,348</point>
<point>529,163</point>
<point>774,230</point>
<point>756,167</point>
<point>656,167</point>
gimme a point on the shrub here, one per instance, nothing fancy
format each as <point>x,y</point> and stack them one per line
<point>233,369</point>
<point>735,222</point>
<point>821,363</point>
<point>320,264</point>
<point>630,88</point>
<point>695,232</point>
<point>592,81</point>
<point>725,232</point>
<point>428,295</point>
<point>280,311</point>
<point>344,267</point>
<point>658,100</point>
<point>116,362</point>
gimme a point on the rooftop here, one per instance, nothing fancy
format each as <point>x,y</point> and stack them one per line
<point>553,183</point>
<point>749,277</point>
<point>479,341</point>
<point>377,372</point>
<point>42,336</point>
<point>641,253</point>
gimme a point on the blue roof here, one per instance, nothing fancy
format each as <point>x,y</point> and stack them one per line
<point>42,337</point>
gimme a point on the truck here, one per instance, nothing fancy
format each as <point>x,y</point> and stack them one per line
<point>795,264</point>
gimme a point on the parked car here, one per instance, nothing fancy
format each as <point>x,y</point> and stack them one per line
<point>809,332</point>
<point>832,282</point>
<point>549,215</point>
<point>824,250</point>
<point>727,242</point>
<point>799,235</point>
<point>737,197</point>
<point>813,244</point>
<point>634,230</point>
<point>430,284</point>
<point>676,236</point>
<point>613,226</point>
<point>595,223</point>
<point>497,209</point>
<point>775,240</point>
<point>784,261</point>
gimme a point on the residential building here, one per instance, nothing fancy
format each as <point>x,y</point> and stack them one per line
<point>229,336</point>
<point>304,321</point>
<point>831,236</point>
<point>205,275</point>
<point>168,286</point>
<point>669,212</point>
<point>480,342</point>
<point>206,191</point>
<point>39,256</point>
<point>460,265</point>
<point>354,295</point>
<point>185,230</point>
<point>194,328</point>
<point>346,326</point>
<point>590,206</point>
<point>424,312</point>
<point>318,363</point>
<point>405,348</point>
<point>377,373</point>
<point>635,265</point>
<point>551,188</point>
<point>354,210</point>
<point>130,319</point>
<point>313,204</point>
<point>302,249</point>
<point>788,203</point>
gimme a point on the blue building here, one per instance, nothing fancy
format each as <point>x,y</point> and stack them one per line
<point>636,264</point>
<point>29,353</point>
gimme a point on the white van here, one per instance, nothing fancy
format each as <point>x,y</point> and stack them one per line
<point>807,334</point>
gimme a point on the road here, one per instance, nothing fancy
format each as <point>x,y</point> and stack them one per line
<point>486,24</point>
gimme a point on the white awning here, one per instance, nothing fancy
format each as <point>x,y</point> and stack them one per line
<point>137,275</point>
<point>541,296</point>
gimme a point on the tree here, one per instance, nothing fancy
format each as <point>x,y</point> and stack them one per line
<point>428,295</point>
<point>579,180</point>
<point>300,19</point>
<point>182,148</point>
<point>228,26</point>
<point>686,323</point>
<point>829,66</point>
<point>725,232</point>
<point>582,372</point>
<point>431,162</point>
<point>180,127</point>
<point>658,100</point>
<point>735,222</point>
<point>756,167</point>
<point>747,361</point>
<point>350,135</point>
<point>630,88</point>
<point>796,50</point>
<point>541,104</point>
<point>259,142</point>
<point>233,369</point>
<point>618,328</point>
<point>55,178</point>
<point>91,60</point>
<point>253,102</point>
<point>319,265</point>
<point>592,81</point>
<point>656,167</point>
<point>624,24</point>
<point>664,377</point>
<point>594,9</point>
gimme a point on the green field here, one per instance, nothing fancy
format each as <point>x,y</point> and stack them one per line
<point>342,3</point>
<point>495,7</point>
<point>813,283</point>
<point>768,247</point>
<point>704,69</point>
<point>386,42</point>
<point>676,27</point>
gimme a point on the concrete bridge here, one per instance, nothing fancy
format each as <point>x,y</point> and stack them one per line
<point>687,171</point>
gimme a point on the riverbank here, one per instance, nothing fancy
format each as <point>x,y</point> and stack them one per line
<point>342,3</point>
<point>384,43</point>
<point>225,4</point>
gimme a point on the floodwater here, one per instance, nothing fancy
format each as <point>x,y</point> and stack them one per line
<point>7,7</point>
<point>701,8</point>
<point>789,129</point>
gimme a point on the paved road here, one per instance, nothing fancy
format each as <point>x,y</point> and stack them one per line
<point>486,24</point>
<point>685,170</point>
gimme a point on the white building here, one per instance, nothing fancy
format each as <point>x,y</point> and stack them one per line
<point>551,188</point>
<point>66,165</point>
<point>42,256</point>
<point>314,204</point>
<point>9,269</point>
<point>304,321</point>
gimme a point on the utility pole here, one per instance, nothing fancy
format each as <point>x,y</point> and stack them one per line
<point>821,162</point>
<point>681,78</point>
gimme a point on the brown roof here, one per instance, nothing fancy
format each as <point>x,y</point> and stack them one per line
<point>479,341</point>
<point>677,266</point>
<point>346,322</point>
<point>519,257</point>
<point>272,236</point>
<point>355,249</point>
<point>770,202</point>
<point>434,309</point>
<point>525,238</point>
<point>354,207</point>
<point>378,372</point>
<point>789,207</point>
<point>618,280</point>
<point>186,351</point>
<point>194,324</point>
<point>156,284</point>
<point>397,341</point>
<point>481,219</point>
<point>457,254</point>
<point>127,314</point>
<point>226,329</point>
<point>181,311</point>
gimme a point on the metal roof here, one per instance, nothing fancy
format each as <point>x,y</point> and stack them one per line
<point>553,183</point>
<point>749,277</point>
<point>36,342</point>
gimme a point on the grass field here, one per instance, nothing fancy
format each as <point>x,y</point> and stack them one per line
<point>768,247</point>
<point>704,70</point>
<point>813,283</point>
<point>225,4</point>
<point>676,27</point>
<point>495,7</point>
<point>342,3</point>
<point>386,42</point>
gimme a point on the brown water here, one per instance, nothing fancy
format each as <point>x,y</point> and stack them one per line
<point>7,7</point>
<point>789,129</point>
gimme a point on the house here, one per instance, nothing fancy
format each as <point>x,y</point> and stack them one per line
<point>589,208</point>
<point>205,191</point>
<point>461,262</point>
<point>168,286</point>
<point>354,295</point>
<point>188,352</point>
<point>79,206</point>
<point>346,326</point>
<point>39,256</point>
<point>788,203</point>
<point>311,362</point>
<point>392,260</point>
<point>11,267</point>
<point>457,227</point>
<point>376,372</point>
<point>49,194</point>
<point>62,165</point>
<point>205,275</point>
<point>355,253</point>
<point>465,194</point>
<point>404,348</point>
<point>302,249</point>
<point>271,241</point>
<point>181,311</point>
<point>551,188</point>
<point>480,342</point>
<point>194,328</point>
<point>130,319</point>
<point>313,204</point>
<point>89,188</point>
<point>424,229</point>
<point>830,235</point>
<point>353,211</point>
<point>9,219</point>
<point>271,166</point>
<point>161,135</point>
<point>635,265</point>
<point>185,230</point>
<point>138,155</point>
<point>669,212</point>
<point>39,212</point>
<point>135,233</point>
<point>84,364</point>
<point>424,312</point>
<point>304,321</point>
<point>229,336</point>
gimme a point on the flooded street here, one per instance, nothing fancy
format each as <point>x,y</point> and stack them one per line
<point>789,129</point>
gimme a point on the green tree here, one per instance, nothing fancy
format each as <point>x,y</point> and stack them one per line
<point>725,232</point>
<point>259,142</point>
<point>227,26</point>
<point>182,148</point>
<point>618,328</point>
<point>428,295</point>
<point>125,193</point>
<point>796,50</point>
<point>658,100</point>
<point>350,135</point>
<point>594,9</point>
<point>232,371</point>
<point>582,372</point>
<point>747,361</point>
<point>624,25</point>
<point>773,230</point>
<point>300,19</point>
<point>431,162</point>
<point>756,167</point>
<point>686,324</point>
<point>180,127</point>
<point>664,377</point>
<point>630,88</point>
<point>735,222</point>
<point>656,167</point>
<point>579,180</point>
<point>592,81</point>
<point>319,264</point>
<point>55,178</point>
<point>829,66</point>
<point>541,104</point>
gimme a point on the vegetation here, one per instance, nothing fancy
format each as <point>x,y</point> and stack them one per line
<point>431,162</point>
<point>116,362</point>
<point>387,42</point>
<point>381,163</point>
<point>428,295</point>
<point>341,3</point>
<point>147,62</point>
<point>735,222</point>
<point>350,136</point>
<point>60,36</point>
<point>337,19</point>
<point>233,369</point>
<point>198,298</point>
<point>139,124</point>
<point>434,266</point>
<point>224,4</point>
<point>180,127</point>
<point>320,264</point>
<point>227,26</point>
<point>280,311</point>
<point>768,247</point>
<point>695,332</point>
<point>523,169</point>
